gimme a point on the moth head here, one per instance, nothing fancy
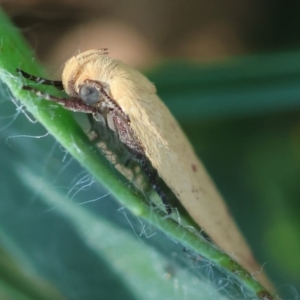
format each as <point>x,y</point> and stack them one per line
<point>84,68</point>
<point>89,94</point>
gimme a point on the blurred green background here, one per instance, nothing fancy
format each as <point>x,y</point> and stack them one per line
<point>230,73</point>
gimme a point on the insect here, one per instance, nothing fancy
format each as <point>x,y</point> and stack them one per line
<point>124,105</point>
<point>110,124</point>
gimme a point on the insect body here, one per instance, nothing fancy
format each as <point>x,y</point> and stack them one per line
<point>125,102</point>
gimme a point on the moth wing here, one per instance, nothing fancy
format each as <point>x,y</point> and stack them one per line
<point>172,155</point>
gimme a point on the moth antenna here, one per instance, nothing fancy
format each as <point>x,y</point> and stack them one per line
<point>104,50</point>
<point>86,55</point>
<point>73,104</point>
<point>56,83</point>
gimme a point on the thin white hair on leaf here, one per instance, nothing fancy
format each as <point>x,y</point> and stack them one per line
<point>132,226</point>
<point>146,227</point>
<point>94,200</point>
<point>82,184</point>
<point>26,136</point>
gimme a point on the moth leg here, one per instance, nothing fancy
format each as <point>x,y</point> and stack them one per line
<point>152,178</point>
<point>97,120</point>
<point>127,162</point>
<point>56,83</point>
<point>73,104</point>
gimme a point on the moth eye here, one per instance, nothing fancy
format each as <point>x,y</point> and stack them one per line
<point>89,94</point>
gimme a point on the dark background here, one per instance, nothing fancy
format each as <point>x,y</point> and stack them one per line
<point>143,32</point>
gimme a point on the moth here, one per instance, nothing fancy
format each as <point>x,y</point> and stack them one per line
<point>123,104</point>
